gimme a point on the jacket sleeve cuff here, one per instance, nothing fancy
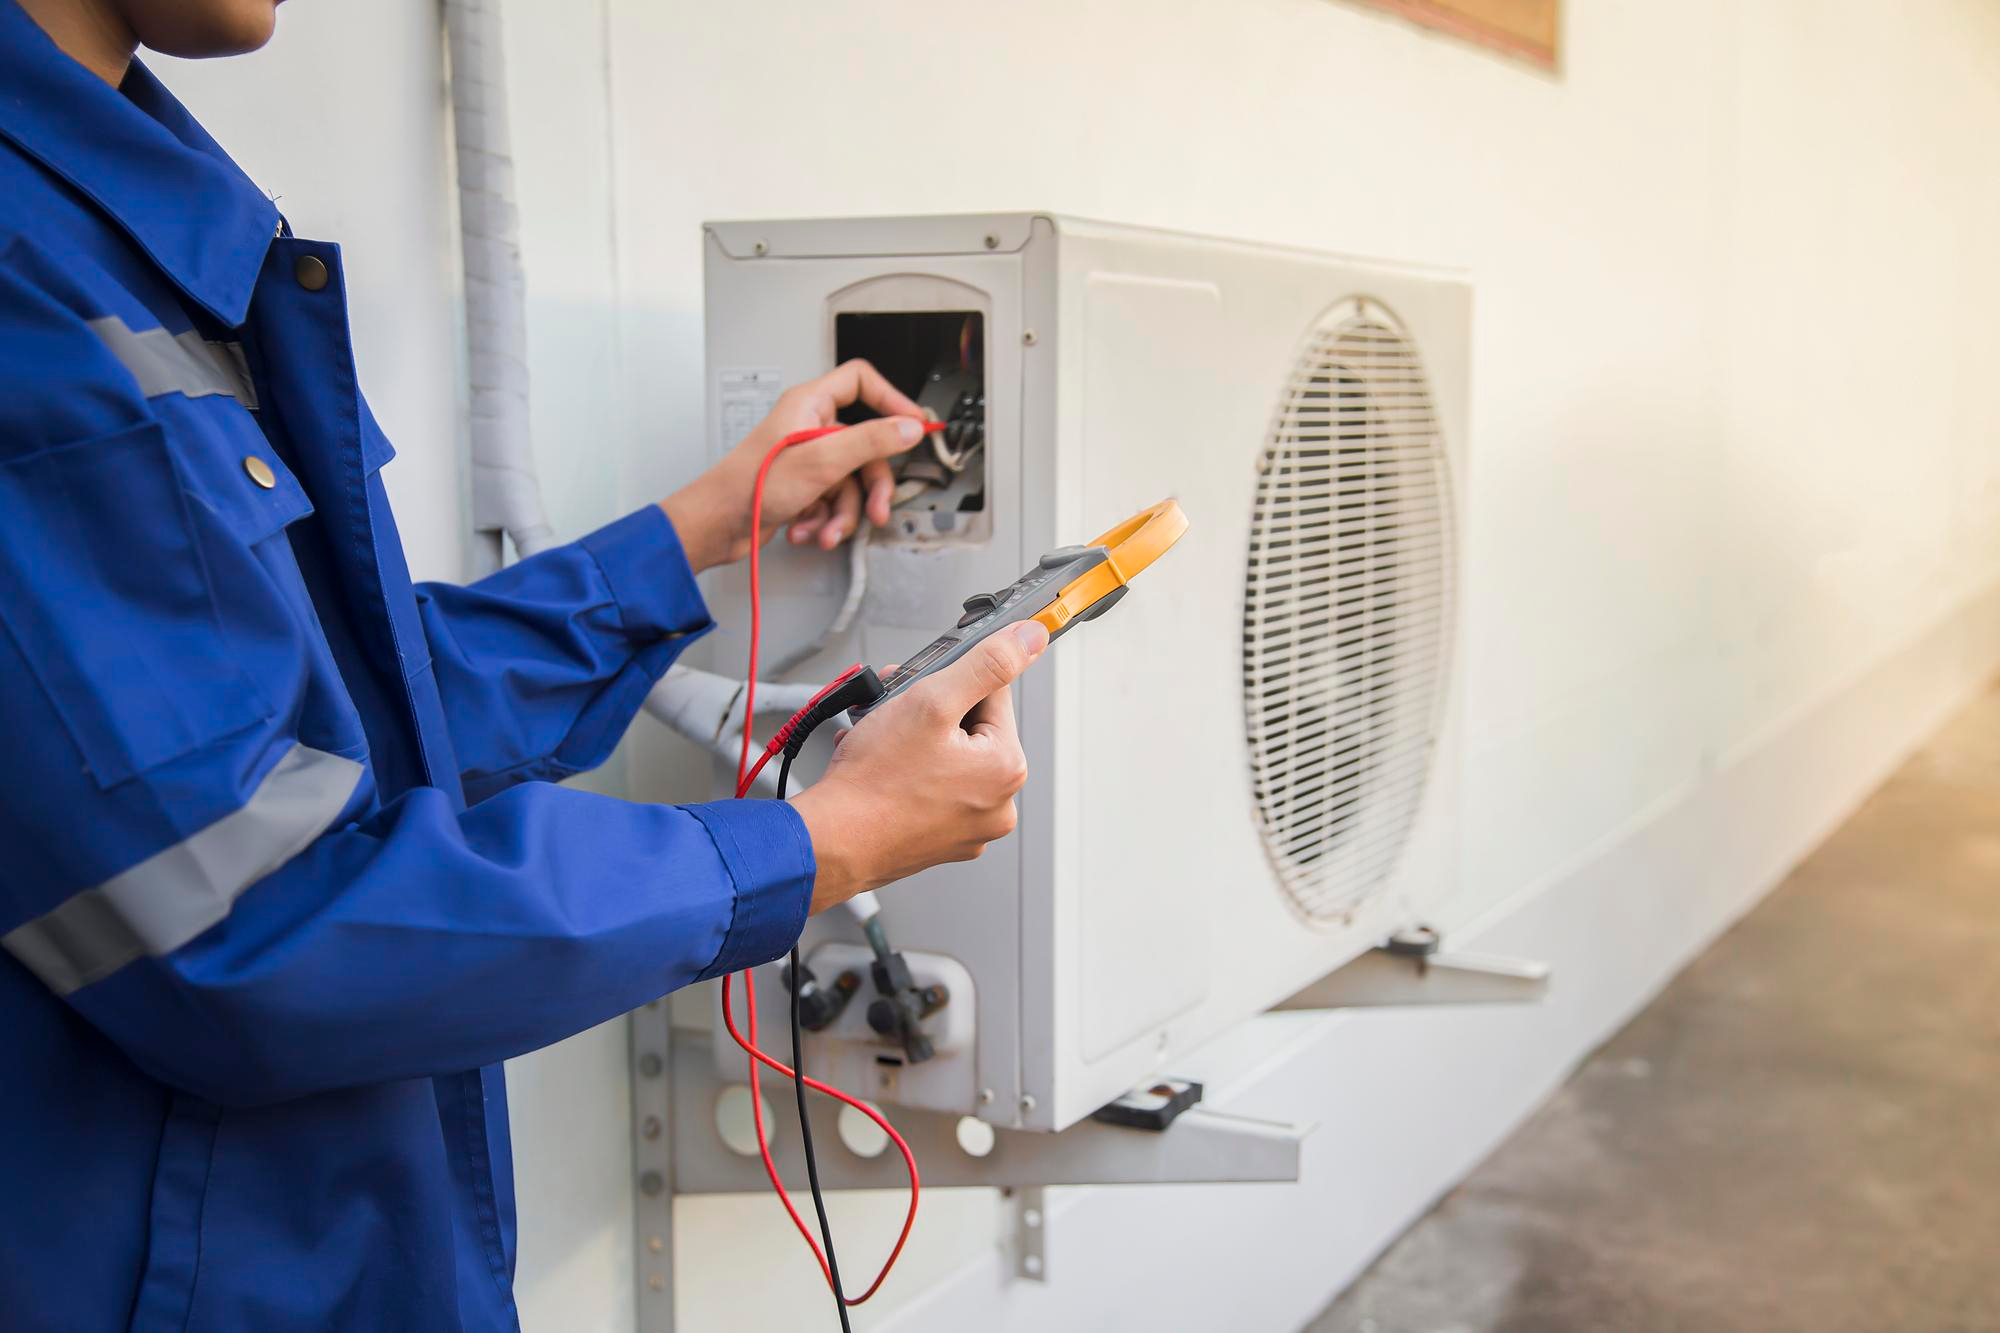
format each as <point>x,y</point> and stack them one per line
<point>648,573</point>
<point>768,853</point>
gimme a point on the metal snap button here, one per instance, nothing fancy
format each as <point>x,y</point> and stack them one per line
<point>311,272</point>
<point>260,472</point>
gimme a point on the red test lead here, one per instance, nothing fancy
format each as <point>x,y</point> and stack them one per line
<point>745,775</point>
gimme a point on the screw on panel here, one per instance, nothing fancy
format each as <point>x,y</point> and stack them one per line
<point>986,1096</point>
<point>992,241</point>
<point>1027,1102</point>
<point>760,248</point>
<point>1028,337</point>
<point>656,1283</point>
<point>651,1183</point>
<point>650,1064</point>
<point>650,1127</point>
<point>656,1243</point>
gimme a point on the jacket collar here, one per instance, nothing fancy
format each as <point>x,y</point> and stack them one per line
<point>137,154</point>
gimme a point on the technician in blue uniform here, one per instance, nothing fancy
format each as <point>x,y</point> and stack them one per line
<point>285,873</point>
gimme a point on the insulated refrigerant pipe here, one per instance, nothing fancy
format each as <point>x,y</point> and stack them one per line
<point>506,495</point>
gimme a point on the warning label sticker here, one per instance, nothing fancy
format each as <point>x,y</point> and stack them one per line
<point>747,395</point>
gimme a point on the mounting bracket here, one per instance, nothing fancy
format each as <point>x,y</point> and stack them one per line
<point>679,1148</point>
<point>1031,1232</point>
<point>678,1144</point>
<point>1204,1146</point>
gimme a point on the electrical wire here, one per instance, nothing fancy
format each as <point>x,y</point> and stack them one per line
<point>784,733</point>
<point>748,1041</point>
<point>745,775</point>
<point>805,1119</point>
<point>756,570</point>
<point>756,600</point>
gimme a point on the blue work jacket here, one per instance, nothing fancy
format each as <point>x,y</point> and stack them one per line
<point>285,872</point>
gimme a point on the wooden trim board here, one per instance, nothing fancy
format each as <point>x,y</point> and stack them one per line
<point>1526,29</point>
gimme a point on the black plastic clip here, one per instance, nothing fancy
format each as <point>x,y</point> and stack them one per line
<point>1153,1107</point>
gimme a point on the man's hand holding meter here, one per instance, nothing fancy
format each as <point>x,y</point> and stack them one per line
<point>931,776</point>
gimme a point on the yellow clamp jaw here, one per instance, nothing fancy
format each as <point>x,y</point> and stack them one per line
<point>1132,545</point>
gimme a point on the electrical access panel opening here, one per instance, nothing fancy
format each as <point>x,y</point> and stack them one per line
<point>937,358</point>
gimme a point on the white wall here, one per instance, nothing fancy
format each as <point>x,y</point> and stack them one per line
<point>1736,485</point>
<point>1734,289</point>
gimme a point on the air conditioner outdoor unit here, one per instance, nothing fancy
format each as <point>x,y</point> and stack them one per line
<point>1246,774</point>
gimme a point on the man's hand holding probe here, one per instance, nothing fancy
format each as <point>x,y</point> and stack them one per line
<point>930,776</point>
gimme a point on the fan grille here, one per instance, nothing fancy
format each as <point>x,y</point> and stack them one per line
<point>1347,612</point>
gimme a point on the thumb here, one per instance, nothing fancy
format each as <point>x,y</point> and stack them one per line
<point>992,666</point>
<point>837,455</point>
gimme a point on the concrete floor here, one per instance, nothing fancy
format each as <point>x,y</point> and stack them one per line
<point>1802,1133</point>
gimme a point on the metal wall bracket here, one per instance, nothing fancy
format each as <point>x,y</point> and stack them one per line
<point>1031,1232</point>
<point>651,1032</point>
<point>1413,969</point>
<point>1202,1146</point>
<point>678,1148</point>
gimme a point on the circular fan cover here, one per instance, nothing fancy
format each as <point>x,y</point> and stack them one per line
<point>1347,611</point>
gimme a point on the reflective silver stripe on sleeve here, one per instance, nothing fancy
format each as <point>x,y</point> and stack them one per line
<point>174,895</point>
<point>184,363</point>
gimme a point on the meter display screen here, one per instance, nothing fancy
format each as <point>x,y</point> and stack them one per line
<point>930,653</point>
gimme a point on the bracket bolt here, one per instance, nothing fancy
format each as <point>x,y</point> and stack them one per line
<point>650,1127</point>
<point>651,1183</point>
<point>656,1283</point>
<point>650,1065</point>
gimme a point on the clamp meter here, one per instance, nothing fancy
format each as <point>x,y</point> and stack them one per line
<point>1067,586</point>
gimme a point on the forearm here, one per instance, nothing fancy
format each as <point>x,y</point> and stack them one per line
<point>542,666</point>
<point>425,942</point>
<point>710,534</point>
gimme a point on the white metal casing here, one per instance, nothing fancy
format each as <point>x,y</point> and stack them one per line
<point>1135,913</point>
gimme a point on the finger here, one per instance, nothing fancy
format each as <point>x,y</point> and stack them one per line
<point>857,379</point>
<point>994,665</point>
<point>834,456</point>
<point>808,523</point>
<point>993,716</point>
<point>880,483</point>
<point>846,515</point>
